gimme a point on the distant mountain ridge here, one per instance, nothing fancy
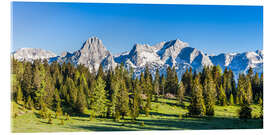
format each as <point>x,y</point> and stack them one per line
<point>174,53</point>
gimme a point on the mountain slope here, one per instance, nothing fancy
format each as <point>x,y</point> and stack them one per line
<point>30,54</point>
<point>92,54</point>
<point>174,53</point>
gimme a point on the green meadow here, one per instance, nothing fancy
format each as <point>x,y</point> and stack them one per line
<point>165,114</point>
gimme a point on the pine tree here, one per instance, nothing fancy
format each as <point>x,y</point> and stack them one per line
<point>162,85</point>
<point>29,103</point>
<point>148,87</point>
<point>209,94</point>
<point>188,81</point>
<point>100,72</point>
<point>98,98</point>
<point>136,100</point>
<point>197,107</point>
<point>181,91</point>
<point>27,79</point>
<point>19,97</point>
<point>222,99</point>
<point>231,100</point>
<point>39,83</point>
<point>255,83</point>
<point>156,85</point>
<point>72,92</point>
<point>59,111</point>
<point>261,86</point>
<point>124,99</point>
<point>115,87</point>
<point>244,89</point>
<point>81,100</point>
<point>233,84</point>
<point>171,81</point>
<point>249,92</point>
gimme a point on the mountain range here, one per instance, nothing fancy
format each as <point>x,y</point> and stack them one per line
<point>174,53</point>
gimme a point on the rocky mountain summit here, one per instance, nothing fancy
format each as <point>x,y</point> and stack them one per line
<point>174,53</point>
<point>30,54</point>
<point>92,54</point>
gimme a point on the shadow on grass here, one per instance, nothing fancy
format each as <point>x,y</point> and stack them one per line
<point>162,114</point>
<point>177,124</point>
<point>101,128</point>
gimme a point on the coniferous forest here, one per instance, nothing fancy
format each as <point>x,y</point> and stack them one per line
<point>57,93</point>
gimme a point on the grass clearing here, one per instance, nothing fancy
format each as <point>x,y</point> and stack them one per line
<point>163,116</point>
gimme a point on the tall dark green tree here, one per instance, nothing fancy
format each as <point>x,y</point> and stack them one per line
<point>156,85</point>
<point>222,99</point>
<point>181,91</point>
<point>209,94</point>
<point>197,106</point>
<point>98,100</point>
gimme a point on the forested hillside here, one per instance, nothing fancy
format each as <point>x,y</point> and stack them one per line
<point>68,89</point>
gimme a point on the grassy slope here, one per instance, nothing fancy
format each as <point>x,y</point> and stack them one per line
<point>163,116</point>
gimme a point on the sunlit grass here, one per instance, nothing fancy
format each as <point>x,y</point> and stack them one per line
<point>164,115</point>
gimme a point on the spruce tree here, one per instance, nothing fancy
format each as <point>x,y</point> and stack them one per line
<point>162,85</point>
<point>29,103</point>
<point>209,95</point>
<point>59,111</point>
<point>124,99</point>
<point>115,87</point>
<point>148,88</point>
<point>249,92</point>
<point>19,97</point>
<point>231,100</point>
<point>197,107</point>
<point>136,100</point>
<point>156,85</point>
<point>98,98</point>
<point>81,103</point>
<point>181,91</point>
<point>72,92</point>
<point>222,99</point>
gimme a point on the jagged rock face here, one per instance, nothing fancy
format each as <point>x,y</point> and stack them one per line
<point>240,62</point>
<point>30,54</point>
<point>92,54</point>
<point>171,49</point>
<point>174,53</point>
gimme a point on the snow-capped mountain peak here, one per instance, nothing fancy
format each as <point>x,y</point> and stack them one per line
<point>30,54</point>
<point>173,53</point>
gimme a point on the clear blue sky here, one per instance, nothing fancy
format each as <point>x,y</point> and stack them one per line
<point>62,27</point>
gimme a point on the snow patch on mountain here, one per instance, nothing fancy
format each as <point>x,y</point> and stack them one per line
<point>174,53</point>
<point>30,54</point>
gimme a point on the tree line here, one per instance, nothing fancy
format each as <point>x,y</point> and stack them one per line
<point>69,89</point>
